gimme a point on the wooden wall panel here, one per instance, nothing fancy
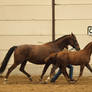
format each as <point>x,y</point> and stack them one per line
<point>74,12</point>
<point>25,2</point>
<point>73,1</point>
<point>25,28</point>
<point>75,26</point>
<point>25,13</point>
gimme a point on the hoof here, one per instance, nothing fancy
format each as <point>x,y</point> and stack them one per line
<point>5,81</point>
<point>48,80</point>
<point>43,82</point>
<point>1,76</point>
<point>30,79</point>
<point>72,82</point>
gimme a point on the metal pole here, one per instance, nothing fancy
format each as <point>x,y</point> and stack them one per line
<point>53,20</point>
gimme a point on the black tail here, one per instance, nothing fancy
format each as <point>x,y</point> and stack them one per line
<point>6,59</point>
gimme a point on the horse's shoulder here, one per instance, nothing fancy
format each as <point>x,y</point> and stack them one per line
<point>62,54</point>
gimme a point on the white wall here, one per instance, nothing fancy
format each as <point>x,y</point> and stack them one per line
<point>29,22</point>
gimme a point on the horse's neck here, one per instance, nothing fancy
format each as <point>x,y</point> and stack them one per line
<point>88,48</point>
<point>61,43</point>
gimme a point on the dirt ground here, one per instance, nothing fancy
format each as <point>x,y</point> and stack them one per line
<point>22,84</point>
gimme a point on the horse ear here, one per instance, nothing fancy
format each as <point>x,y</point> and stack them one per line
<point>72,34</point>
<point>46,59</point>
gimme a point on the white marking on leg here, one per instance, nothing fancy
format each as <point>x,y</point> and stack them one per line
<point>48,79</point>
<point>1,75</point>
<point>5,81</point>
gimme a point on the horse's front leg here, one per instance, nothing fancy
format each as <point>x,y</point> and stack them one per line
<point>65,73</point>
<point>44,70</point>
<point>81,71</point>
<point>52,73</point>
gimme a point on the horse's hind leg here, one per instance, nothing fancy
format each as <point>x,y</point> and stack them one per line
<point>81,71</point>
<point>10,70</point>
<point>22,70</point>
<point>89,68</point>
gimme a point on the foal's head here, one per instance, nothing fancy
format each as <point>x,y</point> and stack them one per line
<point>73,42</point>
<point>88,47</point>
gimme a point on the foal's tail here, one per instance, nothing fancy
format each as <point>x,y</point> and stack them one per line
<point>6,59</point>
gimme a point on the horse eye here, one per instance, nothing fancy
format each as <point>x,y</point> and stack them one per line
<point>75,40</point>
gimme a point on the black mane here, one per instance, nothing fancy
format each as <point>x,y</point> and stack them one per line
<point>58,39</point>
<point>61,37</point>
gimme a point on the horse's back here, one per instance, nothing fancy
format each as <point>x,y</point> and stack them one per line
<point>77,57</point>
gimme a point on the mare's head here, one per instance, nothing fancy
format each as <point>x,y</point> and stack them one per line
<point>66,40</point>
<point>72,41</point>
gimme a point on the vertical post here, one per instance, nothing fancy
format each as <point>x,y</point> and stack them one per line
<point>53,20</point>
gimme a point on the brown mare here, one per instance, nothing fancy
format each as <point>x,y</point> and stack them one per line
<point>36,53</point>
<point>63,58</point>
